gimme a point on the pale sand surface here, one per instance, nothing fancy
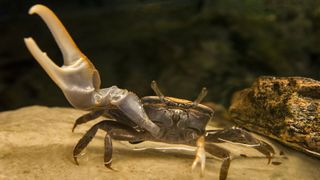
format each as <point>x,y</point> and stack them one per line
<point>36,143</point>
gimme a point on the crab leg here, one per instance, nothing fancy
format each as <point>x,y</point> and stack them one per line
<point>232,135</point>
<point>88,117</point>
<point>78,78</point>
<point>114,130</point>
<point>236,135</point>
<point>224,155</point>
<point>108,151</point>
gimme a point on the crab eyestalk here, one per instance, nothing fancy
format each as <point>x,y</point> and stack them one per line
<point>200,97</point>
<point>156,89</point>
<point>78,78</point>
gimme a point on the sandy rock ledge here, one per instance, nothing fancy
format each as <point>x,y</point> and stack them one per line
<point>36,143</point>
<point>284,108</point>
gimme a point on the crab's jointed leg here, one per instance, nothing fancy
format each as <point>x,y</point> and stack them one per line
<point>78,78</point>
<point>114,130</point>
<point>222,154</point>
<point>239,136</point>
<point>88,117</point>
<point>233,135</point>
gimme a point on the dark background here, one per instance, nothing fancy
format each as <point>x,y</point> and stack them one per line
<point>183,44</point>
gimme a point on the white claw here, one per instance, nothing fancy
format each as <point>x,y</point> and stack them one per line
<point>200,156</point>
<point>66,44</point>
<point>77,78</point>
<point>51,68</point>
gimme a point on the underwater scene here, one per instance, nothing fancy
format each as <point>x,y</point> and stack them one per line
<point>160,89</point>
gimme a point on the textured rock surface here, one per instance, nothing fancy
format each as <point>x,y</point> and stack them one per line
<point>286,109</point>
<point>36,143</point>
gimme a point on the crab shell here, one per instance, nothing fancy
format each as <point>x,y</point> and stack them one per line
<point>183,113</point>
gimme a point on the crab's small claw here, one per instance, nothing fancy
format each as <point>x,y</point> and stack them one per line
<point>200,155</point>
<point>78,78</point>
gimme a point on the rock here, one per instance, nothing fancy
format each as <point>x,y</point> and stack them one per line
<point>36,143</point>
<point>284,108</point>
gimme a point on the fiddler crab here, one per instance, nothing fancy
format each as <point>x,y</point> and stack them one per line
<point>129,118</point>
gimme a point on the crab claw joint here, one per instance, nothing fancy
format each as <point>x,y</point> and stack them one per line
<point>78,78</point>
<point>132,107</point>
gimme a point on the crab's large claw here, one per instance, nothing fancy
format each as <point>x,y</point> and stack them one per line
<point>78,78</point>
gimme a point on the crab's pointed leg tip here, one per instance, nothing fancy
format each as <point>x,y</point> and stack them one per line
<point>109,167</point>
<point>74,127</point>
<point>76,160</point>
<point>269,159</point>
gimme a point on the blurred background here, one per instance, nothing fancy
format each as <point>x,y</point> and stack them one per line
<point>183,44</point>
